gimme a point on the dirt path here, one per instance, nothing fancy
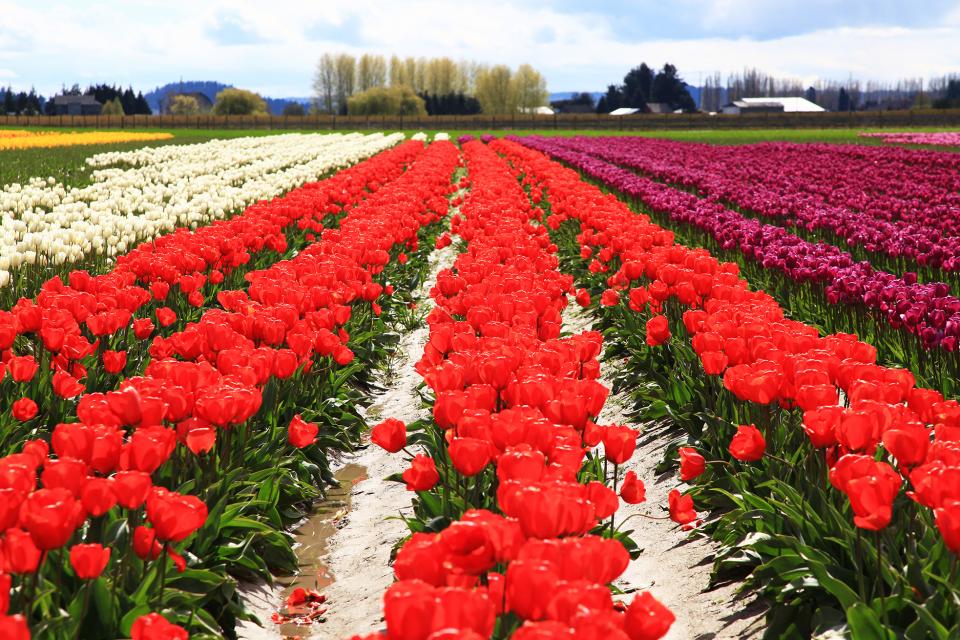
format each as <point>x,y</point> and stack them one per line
<point>356,557</point>
<point>359,554</point>
<point>675,565</point>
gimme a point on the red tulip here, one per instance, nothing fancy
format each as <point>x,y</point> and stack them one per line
<point>145,543</point>
<point>20,554</point>
<point>583,297</point>
<point>546,630</point>
<point>391,435</point>
<point>89,560</point>
<point>300,433</point>
<point>948,523</point>
<point>603,498</point>
<point>66,386</point>
<point>420,558</point>
<point>197,435</point>
<point>22,368</point>
<point>153,626</point>
<point>5,583</point>
<point>174,516</point>
<point>658,330</point>
<point>521,463</point>
<point>166,316</point>
<point>24,409</point>
<point>408,609</point>
<point>872,496</point>
<point>142,328</point>
<point>619,443</point>
<point>820,425</point>
<point>681,508</point>
<point>51,516</point>
<point>632,491</point>
<point>114,361</point>
<point>747,444</point>
<point>14,628</point>
<point>469,456</point>
<point>638,299</point>
<point>908,444</point>
<point>647,618</point>
<point>714,362</point>
<point>422,474</point>
<point>98,496</point>
<point>609,298</point>
<point>530,587</point>
<point>467,548</point>
<point>132,488</point>
<point>692,463</point>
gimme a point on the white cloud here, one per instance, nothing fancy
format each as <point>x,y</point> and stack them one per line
<point>150,43</point>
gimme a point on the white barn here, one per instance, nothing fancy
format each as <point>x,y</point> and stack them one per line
<point>790,105</point>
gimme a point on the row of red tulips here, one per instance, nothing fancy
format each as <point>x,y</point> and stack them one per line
<point>513,533</point>
<point>199,463</point>
<point>912,324</point>
<point>88,334</point>
<point>828,415</point>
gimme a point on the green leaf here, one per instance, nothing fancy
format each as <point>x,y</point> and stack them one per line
<point>864,624</point>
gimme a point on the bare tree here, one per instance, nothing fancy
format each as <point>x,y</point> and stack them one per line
<point>371,72</point>
<point>396,73</point>
<point>410,73</point>
<point>419,77</point>
<point>441,76</point>
<point>346,75</point>
<point>325,83</point>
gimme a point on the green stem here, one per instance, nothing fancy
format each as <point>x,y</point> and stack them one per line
<point>87,587</point>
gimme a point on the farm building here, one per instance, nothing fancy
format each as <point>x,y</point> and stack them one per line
<point>85,105</point>
<point>771,105</point>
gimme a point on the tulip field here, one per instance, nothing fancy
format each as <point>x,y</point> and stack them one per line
<point>193,342</point>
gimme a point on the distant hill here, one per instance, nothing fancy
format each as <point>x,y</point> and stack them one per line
<point>211,88</point>
<point>566,95</point>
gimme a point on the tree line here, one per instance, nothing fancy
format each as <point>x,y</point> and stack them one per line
<point>368,85</point>
<point>833,95</point>
<point>115,100</point>
<point>642,86</point>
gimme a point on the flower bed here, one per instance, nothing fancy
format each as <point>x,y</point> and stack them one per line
<point>877,305</point>
<point>95,328</point>
<point>940,138</point>
<point>514,529</point>
<point>834,477</point>
<point>897,207</point>
<point>48,229</point>
<point>17,139</point>
<point>166,485</point>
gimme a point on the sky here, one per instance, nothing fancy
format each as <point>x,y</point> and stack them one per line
<point>272,47</point>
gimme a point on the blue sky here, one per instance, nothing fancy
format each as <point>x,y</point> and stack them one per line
<point>272,47</point>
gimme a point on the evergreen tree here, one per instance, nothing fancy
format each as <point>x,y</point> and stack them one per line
<point>142,106</point>
<point>293,109</point>
<point>9,102</point>
<point>638,87</point>
<point>843,100</point>
<point>129,101</point>
<point>34,103</point>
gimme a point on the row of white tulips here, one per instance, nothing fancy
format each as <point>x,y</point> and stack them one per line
<point>155,190</point>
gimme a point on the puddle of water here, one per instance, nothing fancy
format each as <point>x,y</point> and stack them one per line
<point>312,538</point>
